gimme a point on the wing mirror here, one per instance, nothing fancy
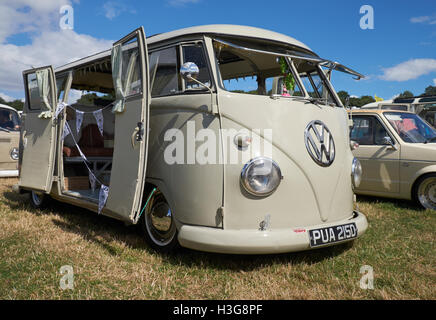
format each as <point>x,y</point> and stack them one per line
<point>190,71</point>
<point>388,142</point>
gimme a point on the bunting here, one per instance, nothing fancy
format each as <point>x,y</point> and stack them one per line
<point>99,118</point>
<point>102,197</point>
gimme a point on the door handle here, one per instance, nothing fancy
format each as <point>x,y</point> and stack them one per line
<point>138,134</point>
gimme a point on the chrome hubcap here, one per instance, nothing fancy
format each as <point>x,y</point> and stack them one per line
<point>427,193</point>
<point>159,221</point>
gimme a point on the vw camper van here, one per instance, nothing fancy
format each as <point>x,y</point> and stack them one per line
<point>182,134</point>
<point>9,139</point>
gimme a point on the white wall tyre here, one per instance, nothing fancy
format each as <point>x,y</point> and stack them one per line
<point>425,191</point>
<point>157,223</point>
<point>38,200</point>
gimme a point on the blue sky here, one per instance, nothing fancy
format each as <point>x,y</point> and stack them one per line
<point>398,54</point>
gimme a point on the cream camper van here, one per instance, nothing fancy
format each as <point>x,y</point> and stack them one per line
<point>424,106</point>
<point>9,139</point>
<point>182,133</point>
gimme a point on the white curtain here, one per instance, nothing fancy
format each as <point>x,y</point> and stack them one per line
<point>43,82</point>
<point>117,67</point>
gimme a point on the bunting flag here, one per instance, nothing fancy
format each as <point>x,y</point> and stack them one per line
<point>66,131</point>
<point>60,107</point>
<point>98,114</point>
<point>92,181</point>
<point>79,120</point>
<point>102,197</point>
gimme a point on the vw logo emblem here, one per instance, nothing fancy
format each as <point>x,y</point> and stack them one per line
<point>319,143</point>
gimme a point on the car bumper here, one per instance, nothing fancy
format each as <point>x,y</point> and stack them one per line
<point>256,241</point>
<point>8,173</point>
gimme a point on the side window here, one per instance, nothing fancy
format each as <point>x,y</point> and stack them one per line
<point>195,53</point>
<point>368,130</point>
<point>164,73</point>
<point>33,92</point>
<point>131,68</point>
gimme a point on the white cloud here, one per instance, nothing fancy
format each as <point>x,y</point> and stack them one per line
<point>409,70</point>
<point>49,44</point>
<point>50,48</point>
<point>179,3</point>
<point>6,97</point>
<point>434,81</point>
<point>114,9</point>
<point>424,19</point>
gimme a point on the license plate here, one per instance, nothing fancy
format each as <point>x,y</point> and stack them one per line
<point>323,236</point>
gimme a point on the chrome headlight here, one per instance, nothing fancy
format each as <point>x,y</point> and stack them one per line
<point>14,154</point>
<point>356,172</point>
<point>261,176</point>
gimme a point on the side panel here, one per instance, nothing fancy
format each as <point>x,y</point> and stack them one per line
<point>38,130</point>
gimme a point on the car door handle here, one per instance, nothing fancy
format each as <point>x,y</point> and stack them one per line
<point>138,134</point>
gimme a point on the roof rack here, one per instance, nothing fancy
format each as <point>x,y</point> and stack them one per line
<point>422,98</point>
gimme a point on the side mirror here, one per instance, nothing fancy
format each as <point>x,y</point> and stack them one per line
<point>387,141</point>
<point>189,71</point>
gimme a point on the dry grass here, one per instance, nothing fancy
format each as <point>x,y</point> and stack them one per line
<point>112,261</point>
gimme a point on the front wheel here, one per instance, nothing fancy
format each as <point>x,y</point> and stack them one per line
<point>157,223</point>
<point>38,200</point>
<point>425,191</point>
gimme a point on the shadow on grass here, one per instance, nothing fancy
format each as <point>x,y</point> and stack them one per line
<point>394,203</point>
<point>102,230</point>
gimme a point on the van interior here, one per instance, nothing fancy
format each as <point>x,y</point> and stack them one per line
<point>91,90</point>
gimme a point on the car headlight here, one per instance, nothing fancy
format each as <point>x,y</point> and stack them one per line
<point>356,172</point>
<point>14,154</point>
<point>261,176</point>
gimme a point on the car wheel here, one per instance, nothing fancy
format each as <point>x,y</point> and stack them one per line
<point>425,191</point>
<point>38,200</point>
<point>157,223</point>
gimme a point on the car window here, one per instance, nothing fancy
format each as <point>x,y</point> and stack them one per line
<point>194,53</point>
<point>33,92</point>
<point>164,72</point>
<point>368,130</point>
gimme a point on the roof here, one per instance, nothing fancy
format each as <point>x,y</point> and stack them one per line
<point>230,30</point>
<point>7,107</point>
<point>217,30</point>
<point>378,111</point>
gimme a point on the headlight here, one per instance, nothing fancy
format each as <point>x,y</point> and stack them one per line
<point>356,172</point>
<point>261,176</point>
<point>14,154</point>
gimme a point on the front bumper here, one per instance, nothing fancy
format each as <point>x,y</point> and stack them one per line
<point>256,241</point>
<point>8,173</point>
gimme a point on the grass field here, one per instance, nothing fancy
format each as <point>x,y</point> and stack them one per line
<point>111,261</point>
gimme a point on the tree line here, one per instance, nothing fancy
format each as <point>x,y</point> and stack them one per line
<point>361,101</point>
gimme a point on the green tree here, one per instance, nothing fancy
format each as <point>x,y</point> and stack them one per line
<point>17,104</point>
<point>406,94</point>
<point>430,91</point>
<point>343,95</point>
